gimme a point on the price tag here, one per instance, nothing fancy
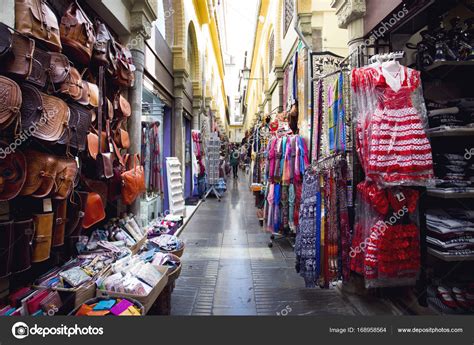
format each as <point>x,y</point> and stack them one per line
<point>47,205</point>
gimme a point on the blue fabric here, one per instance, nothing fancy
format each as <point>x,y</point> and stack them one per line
<point>318,234</point>
<point>276,203</point>
<point>283,150</point>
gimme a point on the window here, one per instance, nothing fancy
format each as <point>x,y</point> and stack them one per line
<point>271,51</point>
<point>288,12</point>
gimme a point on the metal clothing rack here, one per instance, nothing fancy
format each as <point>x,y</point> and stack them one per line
<point>213,162</point>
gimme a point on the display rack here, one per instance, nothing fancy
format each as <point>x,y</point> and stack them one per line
<point>175,186</point>
<point>213,161</point>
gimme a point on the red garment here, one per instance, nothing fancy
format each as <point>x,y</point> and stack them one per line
<point>392,142</point>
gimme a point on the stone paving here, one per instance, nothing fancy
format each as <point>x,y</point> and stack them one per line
<point>228,268</point>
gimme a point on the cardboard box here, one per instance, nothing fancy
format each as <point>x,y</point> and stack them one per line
<point>148,300</point>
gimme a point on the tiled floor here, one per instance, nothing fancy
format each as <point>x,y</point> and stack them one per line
<point>228,268</point>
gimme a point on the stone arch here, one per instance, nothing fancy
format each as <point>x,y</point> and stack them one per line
<point>192,53</point>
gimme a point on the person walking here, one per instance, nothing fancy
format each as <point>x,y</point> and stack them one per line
<point>234,161</point>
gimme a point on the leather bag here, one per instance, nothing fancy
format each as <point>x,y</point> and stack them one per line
<point>66,173</point>
<point>5,40</point>
<point>6,248</point>
<point>133,179</point>
<point>22,247</point>
<point>72,86</point>
<point>36,19</point>
<point>40,68</point>
<point>121,137</point>
<point>90,95</point>
<point>95,210</point>
<point>104,159</point>
<point>122,107</point>
<point>12,174</point>
<point>45,116</point>
<point>77,127</point>
<point>60,68</point>
<point>10,102</point>
<point>41,169</point>
<point>100,55</point>
<point>43,224</point>
<point>60,220</point>
<point>77,33</point>
<point>75,214</point>
<point>93,143</point>
<point>99,187</point>
<point>19,62</point>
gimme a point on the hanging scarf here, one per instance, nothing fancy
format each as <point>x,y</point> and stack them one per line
<point>291,207</point>
<point>276,206</point>
<point>318,122</point>
<point>270,207</point>
<point>287,163</point>
<point>283,154</point>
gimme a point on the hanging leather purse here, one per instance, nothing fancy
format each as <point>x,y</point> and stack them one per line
<point>77,33</point>
<point>19,62</point>
<point>104,159</point>
<point>121,66</point>
<point>36,19</point>
<point>90,95</point>
<point>5,40</point>
<point>23,232</point>
<point>10,102</point>
<point>41,171</point>
<point>40,69</point>
<point>72,86</point>
<point>133,180</point>
<point>6,248</point>
<point>122,108</point>
<point>75,214</point>
<point>94,212</point>
<point>43,225</point>
<point>77,128</point>
<point>59,227</point>
<point>65,176</point>
<point>121,137</point>
<point>60,68</point>
<point>100,55</point>
<point>44,116</point>
<point>12,174</point>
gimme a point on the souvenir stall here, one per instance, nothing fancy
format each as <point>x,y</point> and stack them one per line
<point>67,180</point>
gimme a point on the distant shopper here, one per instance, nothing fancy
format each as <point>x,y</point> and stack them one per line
<point>234,161</point>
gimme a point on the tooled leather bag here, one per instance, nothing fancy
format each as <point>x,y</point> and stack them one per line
<point>10,102</point>
<point>19,62</point>
<point>60,68</point>
<point>77,128</point>
<point>5,40</point>
<point>41,169</point>
<point>12,173</point>
<point>36,19</point>
<point>48,115</point>
<point>77,33</point>
<point>133,180</point>
<point>72,85</point>
<point>66,174</point>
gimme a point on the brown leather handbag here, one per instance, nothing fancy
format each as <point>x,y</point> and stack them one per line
<point>101,54</point>
<point>66,174</point>
<point>10,102</point>
<point>121,137</point>
<point>23,232</point>
<point>77,33</point>
<point>90,95</point>
<point>12,174</point>
<point>60,220</point>
<point>40,69</point>
<point>121,67</point>
<point>5,40</point>
<point>19,62</point>
<point>104,159</point>
<point>77,128</point>
<point>41,169</point>
<point>60,68</point>
<point>43,224</point>
<point>122,107</point>
<point>44,116</point>
<point>133,179</point>
<point>72,86</point>
<point>6,248</point>
<point>95,210</point>
<point>36,19</point>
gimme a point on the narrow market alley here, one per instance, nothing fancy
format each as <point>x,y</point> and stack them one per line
<point>228,268</point>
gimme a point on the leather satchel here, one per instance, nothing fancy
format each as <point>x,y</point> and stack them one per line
<point>5,40</point>
<point>10,102</point>
<point>121,137</point>
<point>23,232</point>
<point>59,68</point>
<point>121,66</point>
<point>40,68</point>
<point>44,116</point>
<point>65,176</point>
<point>72,86</point>
<point>133,179</point>
<point>36,19</point>
<point>90,95</point>
<point>77,127</point>
<point>122,107</point>
<point>93,143</point>
<point>100,55</point>
<point>95,210</point>
<point>19,62</point>
<point>6,248</point>
<point>77,33</point>
<point>41,169</point>
<point>12,174</point>
<point>60,220</point>
<point>43,224</point>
